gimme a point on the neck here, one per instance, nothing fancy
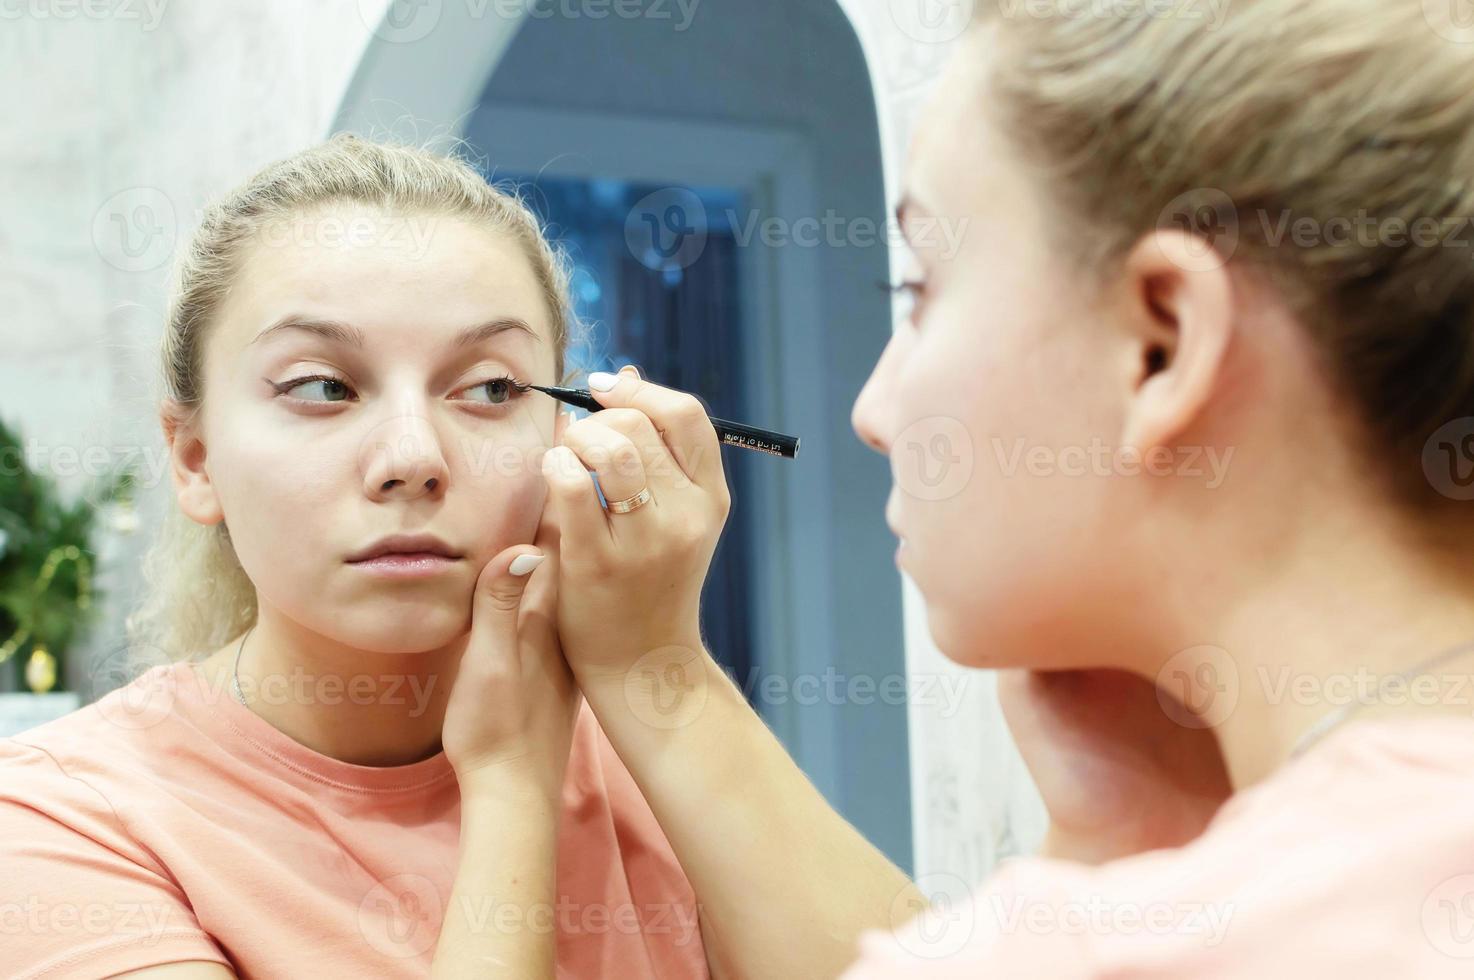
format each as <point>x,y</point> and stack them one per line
<point>359,706</point>
<point>1321,625</point>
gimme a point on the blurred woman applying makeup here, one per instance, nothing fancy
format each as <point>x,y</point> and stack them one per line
<point>1243,694</point>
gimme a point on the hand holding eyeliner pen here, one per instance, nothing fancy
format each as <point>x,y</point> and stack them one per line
<point>729,433</point>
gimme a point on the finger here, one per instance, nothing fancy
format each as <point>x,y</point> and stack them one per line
<point>496,605</point>
<point>610,454</point>
<point>678,416</point>
<point>574,500</point>
<point>661,469</point>
<point>541,598</point>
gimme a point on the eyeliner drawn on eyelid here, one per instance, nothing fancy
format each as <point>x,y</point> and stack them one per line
<point>518,388</point>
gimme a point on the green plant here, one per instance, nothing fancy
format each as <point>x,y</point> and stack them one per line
<point>46,560</point>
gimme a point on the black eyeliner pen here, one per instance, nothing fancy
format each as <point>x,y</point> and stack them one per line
<point>730,433</point>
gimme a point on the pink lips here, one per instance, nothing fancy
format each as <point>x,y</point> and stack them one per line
<point>407,565</point>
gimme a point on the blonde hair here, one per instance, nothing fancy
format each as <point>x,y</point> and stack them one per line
<point>1329,110</point>
<point>197,596</point>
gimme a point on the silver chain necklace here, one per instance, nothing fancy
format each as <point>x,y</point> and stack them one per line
<point>1318,730</point>
<point>235,674</point>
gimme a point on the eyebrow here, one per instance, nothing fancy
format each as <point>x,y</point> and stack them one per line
<point>351,336</point>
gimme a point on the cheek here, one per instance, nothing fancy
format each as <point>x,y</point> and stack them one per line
<point>501,486</point>
<point>994,509</point>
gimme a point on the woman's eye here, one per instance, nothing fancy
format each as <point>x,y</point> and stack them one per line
<point>912,289</point>
<point>330,386</point>
<point>499,391</point>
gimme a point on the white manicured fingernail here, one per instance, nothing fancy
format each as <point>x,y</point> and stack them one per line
<point>523,564</point>
<point>602,381</point>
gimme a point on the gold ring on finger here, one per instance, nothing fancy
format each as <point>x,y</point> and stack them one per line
<point>630,503</point>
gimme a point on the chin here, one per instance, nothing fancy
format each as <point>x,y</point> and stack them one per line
<point>402,631</point>
<point>993,635</point>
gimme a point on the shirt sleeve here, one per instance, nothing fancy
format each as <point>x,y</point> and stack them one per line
<point>81,897</point>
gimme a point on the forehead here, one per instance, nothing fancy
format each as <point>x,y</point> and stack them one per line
<point>945,145</point>
<point>393,275</point>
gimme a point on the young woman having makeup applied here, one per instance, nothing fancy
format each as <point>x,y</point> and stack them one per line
<point>1242,692</point>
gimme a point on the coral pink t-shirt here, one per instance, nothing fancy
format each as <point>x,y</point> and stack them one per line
<point>1354,860</point>
<point>168,822</point>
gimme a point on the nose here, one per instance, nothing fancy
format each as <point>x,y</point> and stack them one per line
<point>401,458</point>
<point>868,416</point>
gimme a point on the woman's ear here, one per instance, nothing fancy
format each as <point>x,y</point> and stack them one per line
<point>1180,315</point>
<point>192,486</point>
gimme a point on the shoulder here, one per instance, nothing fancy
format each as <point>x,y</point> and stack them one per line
<point>1353,855</point>
<point>91,767</point>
